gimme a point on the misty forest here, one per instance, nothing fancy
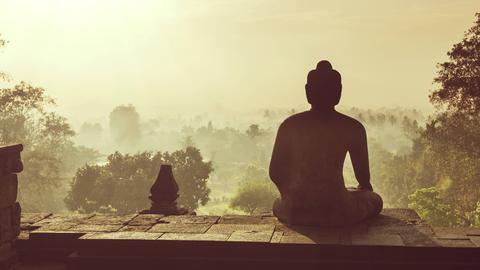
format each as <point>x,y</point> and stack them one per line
<point>428,162</point>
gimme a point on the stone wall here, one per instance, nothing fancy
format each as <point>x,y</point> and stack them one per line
<point>10,165</point>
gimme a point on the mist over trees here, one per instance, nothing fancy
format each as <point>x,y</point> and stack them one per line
<point>125,127</point>
<point>442,171</point>
<point>431,164</point>
<point>49,156</point>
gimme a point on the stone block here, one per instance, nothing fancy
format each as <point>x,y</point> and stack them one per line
<point>145,220</point>
<point>16,212</point>
<point>4,248</point>
<point>56,226</point>
<point>180,228</point>
<point>7,236</point>
<point>473,231</point>
<point>122,236</point>
<point>8,190</point>
<point>454,243</point>
<point>10,161</point>
<point>190,219</point>
<point>109,219</point>
<point>312,238</point>
<point>130,228</point>
<point>263,212</point>
<point>95,228</point>
<point>475,240</point>
<point>377,240</point>
<point>64,218</point>
<point>251,236</point>
<point>54,236</point>
<point>8,260</point>
<point>7,233</point>
<point>405,214</point>
<point>24,235</point>
<point>296,239</point>
<point>447,233</point>
<point>392,216</point>
<point>270,220</point>
<point>276,237</point>
<point>228,229</point>
<point>33,217</point>
<point>194,237</point>
<point>308,230</point>
<point>240,219</point>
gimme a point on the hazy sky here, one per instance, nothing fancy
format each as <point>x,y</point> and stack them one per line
<point>168,56</point>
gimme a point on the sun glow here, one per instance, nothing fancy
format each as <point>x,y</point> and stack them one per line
<point>219,54</point>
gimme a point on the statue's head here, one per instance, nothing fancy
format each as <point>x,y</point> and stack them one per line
<point>324,86</point>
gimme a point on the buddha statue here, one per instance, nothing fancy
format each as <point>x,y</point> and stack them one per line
<point>308,157</point>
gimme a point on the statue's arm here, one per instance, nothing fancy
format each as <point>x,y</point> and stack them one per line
<point>280,157</point>
<point>359,156</point>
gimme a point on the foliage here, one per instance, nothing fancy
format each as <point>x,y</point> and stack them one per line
<point>254,131</point>
<point>125,127</point>
<point>49,154</point>
<point>442,169</point>
<point>256,190</point>
<point>432,208</point>
<point>3,75</point>
<point>459,78</point>
<point>122,184</point>
<point>452,137</point>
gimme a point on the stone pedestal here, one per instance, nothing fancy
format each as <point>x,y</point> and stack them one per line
<point>164,194</point>
<point>10,164</point>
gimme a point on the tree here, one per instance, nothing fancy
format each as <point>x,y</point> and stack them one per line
<point>254,194</point>
<point>3,75</point>
<point>125,127</point>
<point>441,170</point>
<point>255,190</point>
<point>122,185</point>
<point>49,153</point>
<point>432,208</point>
<point>459,78</point>
<point>453,135</point>
<point>192,174</point>
<point>253,131</point>
<point>90,133</point>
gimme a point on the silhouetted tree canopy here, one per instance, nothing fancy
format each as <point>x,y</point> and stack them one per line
<point>442,170</point>
<point>255,190</point>
<point>459,78</point>
<point>122,185</point>
<point>49,155</point>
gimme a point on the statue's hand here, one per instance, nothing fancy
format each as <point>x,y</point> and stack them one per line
<point>365,188</point>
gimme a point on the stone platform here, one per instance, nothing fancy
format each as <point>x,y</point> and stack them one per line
<point>396,239</point>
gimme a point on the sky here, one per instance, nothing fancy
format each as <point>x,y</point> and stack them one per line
<point>189,56</point>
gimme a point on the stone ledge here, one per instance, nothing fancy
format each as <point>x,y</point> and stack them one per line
<point>10,163</point>
<point>394,227</point>
<point>8,190</point>
<point>396,237</point>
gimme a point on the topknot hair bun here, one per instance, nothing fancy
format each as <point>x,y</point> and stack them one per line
<point>324,66</point>
<point>324,85</point>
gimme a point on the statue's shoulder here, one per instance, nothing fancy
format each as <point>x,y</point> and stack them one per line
<point>295,118</point>
<point>351,122</point>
